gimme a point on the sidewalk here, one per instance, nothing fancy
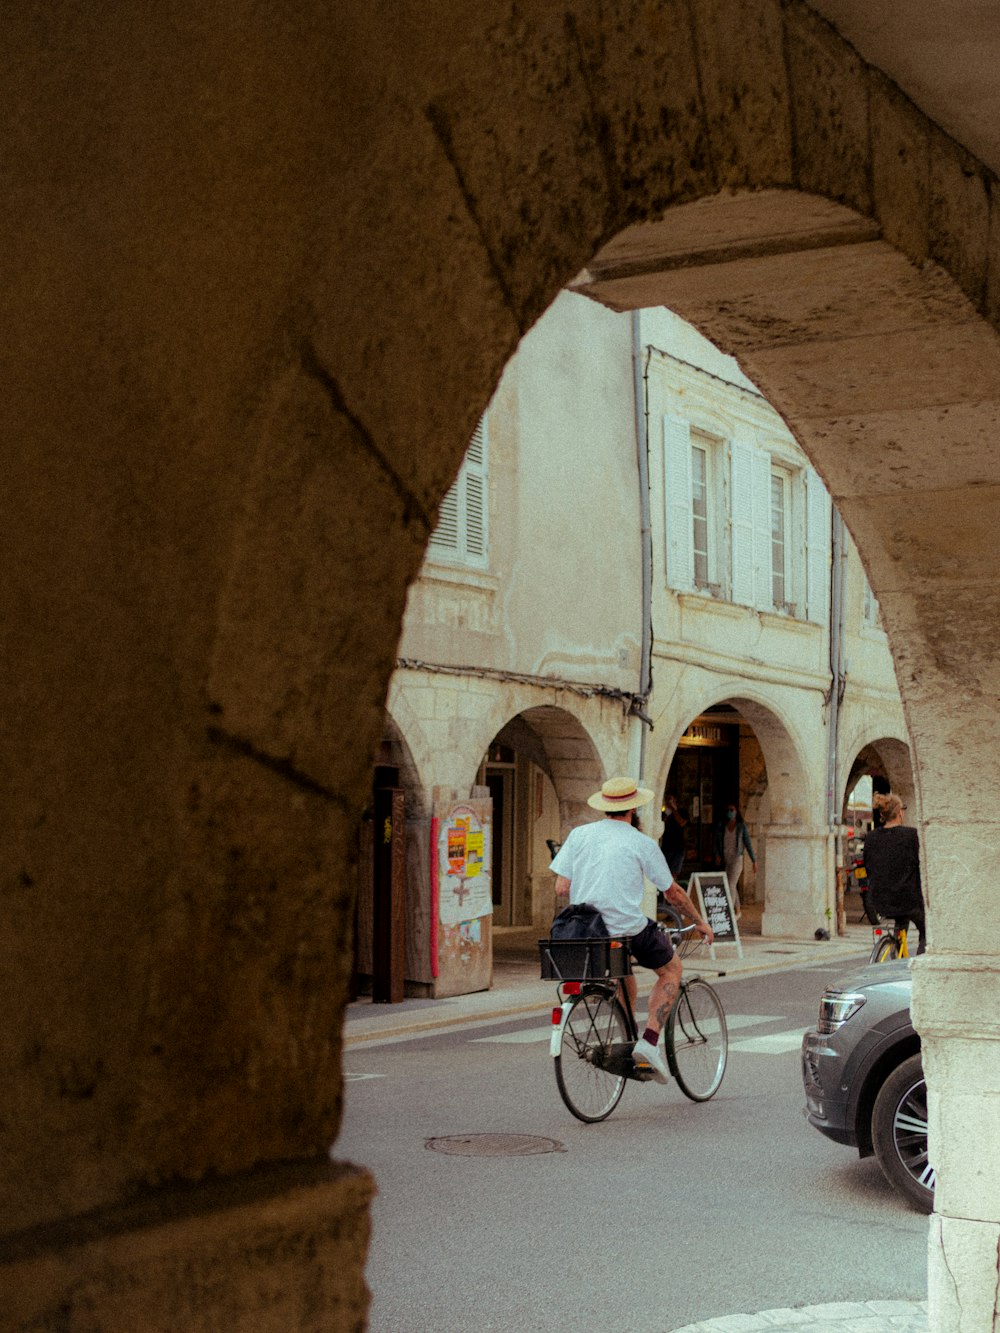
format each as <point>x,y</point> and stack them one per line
<point>517,990</point>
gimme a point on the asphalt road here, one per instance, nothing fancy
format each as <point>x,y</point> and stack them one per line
<point>667,1213</point>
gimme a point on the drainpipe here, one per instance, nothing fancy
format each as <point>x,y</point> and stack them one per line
<point>641,409</point>
<point>838,676</point>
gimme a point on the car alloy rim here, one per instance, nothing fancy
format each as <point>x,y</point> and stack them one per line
<point>909,1132</point>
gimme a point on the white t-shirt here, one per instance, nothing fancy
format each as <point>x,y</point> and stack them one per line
<point>605,862</point>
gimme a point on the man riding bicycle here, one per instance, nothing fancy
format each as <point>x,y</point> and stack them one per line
<point>602,865</point>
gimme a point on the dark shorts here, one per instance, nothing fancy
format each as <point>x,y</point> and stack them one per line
<point>651,947</point>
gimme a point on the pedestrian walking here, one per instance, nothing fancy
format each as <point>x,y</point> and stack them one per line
<point>892,864</point>
<point>731,840</point>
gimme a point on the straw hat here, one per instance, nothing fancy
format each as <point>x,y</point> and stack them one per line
<point>620,794</point>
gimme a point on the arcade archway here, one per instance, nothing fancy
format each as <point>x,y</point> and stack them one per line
<point>255,390</point>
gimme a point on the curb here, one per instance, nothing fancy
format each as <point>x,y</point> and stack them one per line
<point>392,1029</point>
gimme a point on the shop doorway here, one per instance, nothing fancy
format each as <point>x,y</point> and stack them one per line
<point>704,775</point>
<point>500,777</point>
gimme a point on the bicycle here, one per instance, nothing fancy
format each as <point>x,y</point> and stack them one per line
<point>594,1027</point>
<point>888,944</point>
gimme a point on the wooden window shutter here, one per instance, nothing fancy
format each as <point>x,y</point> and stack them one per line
<point>677,503</point>
<point>817,548</point>
<point>461,532</point>
<point>763,582</point>
<point>742,543</point>
<point>475,497</point>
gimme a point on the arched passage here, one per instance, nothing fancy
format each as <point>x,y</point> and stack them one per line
<point>540,768</point>
<point>749,751</point>
<point>270,363</point>
<point>879,765</point>
<point>376,931</point>
<point>888,758</point>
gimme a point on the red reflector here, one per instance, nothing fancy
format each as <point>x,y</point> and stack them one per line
<point>557,1016</point>
<point>616,944</point>
<point>571,988</point>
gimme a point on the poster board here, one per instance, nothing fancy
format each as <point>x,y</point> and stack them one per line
<point>711,893</point>
<point>462,894</point>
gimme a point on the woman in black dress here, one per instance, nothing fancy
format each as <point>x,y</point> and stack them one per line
<point>892,860</point>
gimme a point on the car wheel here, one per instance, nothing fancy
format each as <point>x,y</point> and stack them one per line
<point>899,1133</point>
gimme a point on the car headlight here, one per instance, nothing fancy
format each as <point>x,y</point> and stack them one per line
<point>836,1007</point>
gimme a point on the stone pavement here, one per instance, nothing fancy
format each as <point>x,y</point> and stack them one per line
<point>841,1317</point>
<point>517,990</point>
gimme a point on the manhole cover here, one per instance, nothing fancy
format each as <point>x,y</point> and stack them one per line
<point>493,1145</point>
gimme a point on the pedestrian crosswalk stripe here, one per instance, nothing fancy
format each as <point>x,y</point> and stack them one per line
<point>769,1043</point>
<point>517,1038</point>
<point>733,1022</point>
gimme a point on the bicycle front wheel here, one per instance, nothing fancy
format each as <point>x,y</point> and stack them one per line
<point>697,1041</point>
<point>592,1028</point>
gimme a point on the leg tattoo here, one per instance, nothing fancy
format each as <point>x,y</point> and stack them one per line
<point>663,1009</point>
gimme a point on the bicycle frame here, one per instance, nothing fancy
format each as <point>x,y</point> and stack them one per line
<point>567,992</point>
<point>880,933</point>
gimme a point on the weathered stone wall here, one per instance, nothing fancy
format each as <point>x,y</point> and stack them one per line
<point>262,270</point>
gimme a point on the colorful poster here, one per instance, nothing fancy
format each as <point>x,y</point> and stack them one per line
<point>465,883</point>
<point>457,834</point>
<point>474,854</point>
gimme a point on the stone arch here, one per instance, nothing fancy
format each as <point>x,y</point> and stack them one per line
<point>792,837</point>
<point>255,623</point>
<point>566,751</point>
<point>549,763</point>
<point>397,751</point>
<point>401,747</point>
<point>888,755</point>
<point>793,797</point>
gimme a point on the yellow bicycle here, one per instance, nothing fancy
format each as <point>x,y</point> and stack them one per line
<point>888,944</point>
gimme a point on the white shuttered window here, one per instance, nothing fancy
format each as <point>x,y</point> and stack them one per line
<point>745,524</point>
<point>694,509</point>
<point>462,532</point>
<point>781,538</point>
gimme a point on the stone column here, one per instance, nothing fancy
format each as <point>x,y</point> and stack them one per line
<point>793,866</point>
<point>955,1010</point>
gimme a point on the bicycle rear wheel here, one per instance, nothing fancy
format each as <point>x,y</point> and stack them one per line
<point>697,1041</point>
<point>592,1027</point>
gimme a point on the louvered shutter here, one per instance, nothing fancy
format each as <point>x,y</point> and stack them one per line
<point>462,528</point>
<point>763,581</point>
<point>445,537</point>
<point>817,548</point>
<point>742,537</point>
<point>677,503</point>
<point>475,496</point>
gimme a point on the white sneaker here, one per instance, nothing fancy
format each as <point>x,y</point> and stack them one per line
<point>645,1054</point>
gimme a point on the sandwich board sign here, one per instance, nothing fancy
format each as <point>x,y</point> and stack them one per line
<point>716,906</point>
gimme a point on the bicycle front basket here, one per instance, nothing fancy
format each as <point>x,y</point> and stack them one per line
<point>584,960</point>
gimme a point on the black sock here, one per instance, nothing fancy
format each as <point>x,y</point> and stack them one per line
<point>651,1036</point>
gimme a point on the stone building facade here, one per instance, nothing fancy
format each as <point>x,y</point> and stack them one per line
<point>521,660</point>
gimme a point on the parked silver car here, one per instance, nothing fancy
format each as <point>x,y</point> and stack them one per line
<point>863,1078</point>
